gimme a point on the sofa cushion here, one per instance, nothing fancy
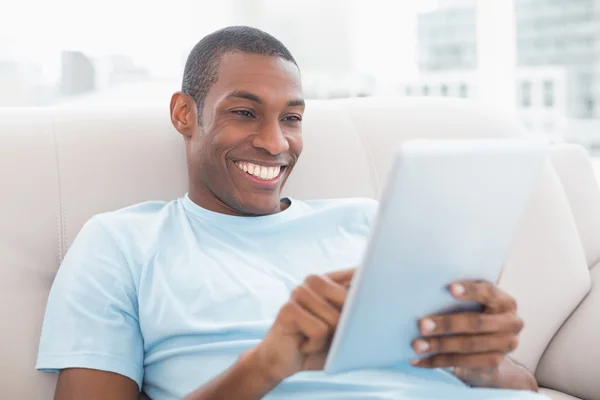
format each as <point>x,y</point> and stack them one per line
<point>555,395</point>
<point>576,172</point>
<point>572,361</point>
<point>30,239</point>
<point>546,270</point>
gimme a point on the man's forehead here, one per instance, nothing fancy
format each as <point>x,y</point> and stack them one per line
<point>252,76</point>
<point>244,66</point>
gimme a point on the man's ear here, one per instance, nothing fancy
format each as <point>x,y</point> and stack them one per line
<point>184,113</point>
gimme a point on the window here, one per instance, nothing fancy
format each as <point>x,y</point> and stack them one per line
<point>444,90</point>
<point>526,94</point>
<point>434,51</point>
<point>528,125</point>
<point>548,94</point>
<point>589,106</point>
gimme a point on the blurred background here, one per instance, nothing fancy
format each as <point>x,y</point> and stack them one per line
<point>538,59</point>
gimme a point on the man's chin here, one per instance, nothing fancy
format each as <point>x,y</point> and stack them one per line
<point>257,205</point>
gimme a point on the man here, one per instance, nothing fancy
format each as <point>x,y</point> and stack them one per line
<point>233,292</point>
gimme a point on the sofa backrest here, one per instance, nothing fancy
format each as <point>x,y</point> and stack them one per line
<point>60,167</point>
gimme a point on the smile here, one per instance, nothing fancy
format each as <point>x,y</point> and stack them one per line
<point>260,172</point>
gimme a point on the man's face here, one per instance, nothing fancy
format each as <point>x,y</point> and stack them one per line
<point>250,135</point>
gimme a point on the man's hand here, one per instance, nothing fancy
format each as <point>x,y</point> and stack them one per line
<point>475,344</point>
<point>298,340</point>
<point>301,334</point>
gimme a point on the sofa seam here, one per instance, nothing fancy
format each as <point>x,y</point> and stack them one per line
<point>60,221</point>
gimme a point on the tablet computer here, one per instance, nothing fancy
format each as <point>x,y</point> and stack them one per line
<point>449,212</point>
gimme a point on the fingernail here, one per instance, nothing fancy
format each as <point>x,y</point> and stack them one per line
<point>427,326</point>
<point>458,289</point>
<point>414,362</point>
<point>421,346</point>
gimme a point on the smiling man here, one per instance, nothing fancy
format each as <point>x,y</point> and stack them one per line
<point>233,292</point>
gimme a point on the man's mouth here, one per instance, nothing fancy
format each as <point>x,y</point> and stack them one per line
<point>260,172</point>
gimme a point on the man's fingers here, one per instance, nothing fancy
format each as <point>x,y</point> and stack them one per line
<point>481,361</point>
<point>471,341</point>
<point>316,305</point>
<point>470,323</point>
<point>316,331</point>
<point>503,343</point>
<point>485,293</point>
<point>314,309</point>
<point>315,361</point>
<point>325,287</point>
<point>343,277</point>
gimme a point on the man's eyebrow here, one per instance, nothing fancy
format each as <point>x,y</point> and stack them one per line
<point>296,103</point>
<point>242,94</point>
<point>246,95</point>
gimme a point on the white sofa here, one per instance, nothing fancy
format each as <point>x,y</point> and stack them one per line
<point>58,168</point>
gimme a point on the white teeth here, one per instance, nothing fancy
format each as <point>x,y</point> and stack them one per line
<point>274,172</point>
<point>259,171</point>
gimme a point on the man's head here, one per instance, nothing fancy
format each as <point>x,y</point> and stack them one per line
<point>240,112</point>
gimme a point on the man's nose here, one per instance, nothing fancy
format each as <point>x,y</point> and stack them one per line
<point>271,138</point>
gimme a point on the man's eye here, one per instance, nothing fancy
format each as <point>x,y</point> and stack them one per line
<point>244,113</point>
<point>292,118</point>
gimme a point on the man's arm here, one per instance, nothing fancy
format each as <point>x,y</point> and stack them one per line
<point>91,333</point>
<point>243,381</point>
<point>508,375</point>
<point>90,384</point>
<point>298,341</point>
<point>515,376</point>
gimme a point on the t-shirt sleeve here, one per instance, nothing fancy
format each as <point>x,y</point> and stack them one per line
<point>91,318</point>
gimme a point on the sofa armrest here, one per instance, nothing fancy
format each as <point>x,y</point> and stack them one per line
<point>571,363</point>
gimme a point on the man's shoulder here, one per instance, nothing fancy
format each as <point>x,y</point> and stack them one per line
<point>136,221</point>
<point>136,213</point>
<point>348,202</point>
<point>356,208</point>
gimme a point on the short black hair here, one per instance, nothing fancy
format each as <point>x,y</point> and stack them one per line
<point>202,65</point>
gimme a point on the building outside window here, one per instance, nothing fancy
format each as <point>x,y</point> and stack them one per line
<point>463,90</point>
<point>444,90</point>
<point>526,94</point>
<point>548,94</point>
<point>590,106</point>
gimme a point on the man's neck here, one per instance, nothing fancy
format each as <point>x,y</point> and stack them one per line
<point>214,204</point>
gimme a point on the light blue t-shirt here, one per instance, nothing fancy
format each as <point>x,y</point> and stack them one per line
<point>170,294</point>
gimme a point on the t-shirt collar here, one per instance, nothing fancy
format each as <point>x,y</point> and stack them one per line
<point>239,221</point>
